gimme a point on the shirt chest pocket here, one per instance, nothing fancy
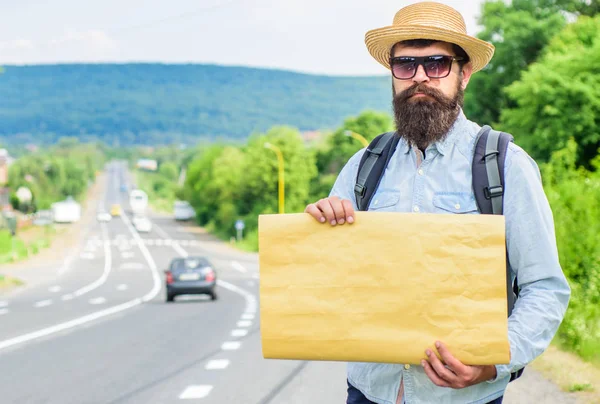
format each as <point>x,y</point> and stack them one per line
<point>454,202</point>
<point>384,201</point>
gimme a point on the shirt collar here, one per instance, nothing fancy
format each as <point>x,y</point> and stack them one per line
<point>446,144</point>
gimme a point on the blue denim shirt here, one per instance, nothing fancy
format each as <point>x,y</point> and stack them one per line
<point>441,183</point>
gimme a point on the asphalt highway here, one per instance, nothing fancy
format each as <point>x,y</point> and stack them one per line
<point>99,330</point>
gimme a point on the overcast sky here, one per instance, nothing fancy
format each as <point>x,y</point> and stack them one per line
<point>316,36</point>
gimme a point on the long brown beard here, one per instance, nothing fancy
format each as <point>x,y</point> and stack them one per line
<point>425,121</point>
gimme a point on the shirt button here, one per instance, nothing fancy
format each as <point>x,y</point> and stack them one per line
<point>416,208</point>
<point>420,171</point>
<point>407,367</point>
<point>457,206</point>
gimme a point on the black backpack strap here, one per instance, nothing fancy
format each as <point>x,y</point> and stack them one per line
<point>488,187</point>
<point>488,170</point>
<point>371,167</point>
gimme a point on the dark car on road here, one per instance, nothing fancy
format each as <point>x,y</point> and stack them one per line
<point>190,276</point>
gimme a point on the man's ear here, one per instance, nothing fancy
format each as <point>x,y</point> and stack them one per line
<point>467,71</point>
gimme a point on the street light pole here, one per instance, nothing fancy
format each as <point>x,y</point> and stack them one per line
<point>358,137</point>
<point>281,177</point>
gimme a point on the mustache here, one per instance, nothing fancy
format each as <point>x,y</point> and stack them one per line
<point>420,88</point>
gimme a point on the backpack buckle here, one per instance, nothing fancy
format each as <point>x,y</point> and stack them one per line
<point>493,192</point>
<point>377,150</point>
<point>360,189</point>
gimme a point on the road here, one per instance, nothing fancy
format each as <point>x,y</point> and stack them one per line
<point>99,330</point>
<point>96,328</point>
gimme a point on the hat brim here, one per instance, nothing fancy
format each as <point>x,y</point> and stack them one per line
<point>380,41</point>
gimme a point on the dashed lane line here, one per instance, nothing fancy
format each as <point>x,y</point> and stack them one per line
<point>239,333</point>
<point>97,300</point>
<point>239,267</point>
<point>231,346</point>
<point>217,364</point>
<point>43,303</point>
<point>195,392</point>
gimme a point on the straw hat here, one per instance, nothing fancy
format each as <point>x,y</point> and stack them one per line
<point>428,20</point>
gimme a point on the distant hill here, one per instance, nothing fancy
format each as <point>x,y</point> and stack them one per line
<point>164,103</point>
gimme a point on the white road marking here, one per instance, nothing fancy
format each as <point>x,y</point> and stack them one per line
<point>67,297</point>
<point>3,311</point>
<point>98,300</point>
<point>126,255</point>
<point>238,266</point>
<point>68,325</point>
<point>149,242</point>
<point>153,268</point>
<point>87,256</point>
<point>131,265</point>
<point>185,242</point>
<point>250,298</point>
<point>107,268</point>
<point>231,346</point>
<point>217,364</point>
<point>159,242</point>
<point>239,333</point>
<point>168,241</point>
<point>66,265</point>
<point>244,323</point>
<point>122,287</point>
<point>43,303</point>
<point>248,316</point>
<point>54,289</point>
<point>193,392</point>
<point>3,303</point>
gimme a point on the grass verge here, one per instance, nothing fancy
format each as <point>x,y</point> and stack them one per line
<point>570,373</point>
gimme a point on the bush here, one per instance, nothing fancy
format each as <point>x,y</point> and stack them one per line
<point>573,195</point>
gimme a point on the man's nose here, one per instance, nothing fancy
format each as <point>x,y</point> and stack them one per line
<point>420,76</point>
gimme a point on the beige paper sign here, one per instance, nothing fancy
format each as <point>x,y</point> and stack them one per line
<point>384,288</point>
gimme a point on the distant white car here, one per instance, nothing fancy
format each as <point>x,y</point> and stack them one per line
<point>104,217</point>
<point>183,210</point>
<point>142,224</point>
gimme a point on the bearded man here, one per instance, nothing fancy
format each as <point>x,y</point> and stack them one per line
<point>431,59</point>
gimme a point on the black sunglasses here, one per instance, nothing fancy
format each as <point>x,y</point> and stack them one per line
<point>436,67</point>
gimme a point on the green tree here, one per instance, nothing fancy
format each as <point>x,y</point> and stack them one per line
<point>260,188</point>
<point>74,179</point>
<point>573,194</point>
<point>197,184</point>
<point>337,148</point>
<point>169,171</point>
<point>580,7</point>
<point>228,176</point>
<point>559,96</point>
<point>519,31</point>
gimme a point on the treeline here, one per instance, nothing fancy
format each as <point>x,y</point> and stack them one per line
<point>52,174</point>
<point>154,104</point>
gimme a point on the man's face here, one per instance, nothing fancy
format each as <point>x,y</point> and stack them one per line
<point>448,86</point>
<point>425,108</point>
